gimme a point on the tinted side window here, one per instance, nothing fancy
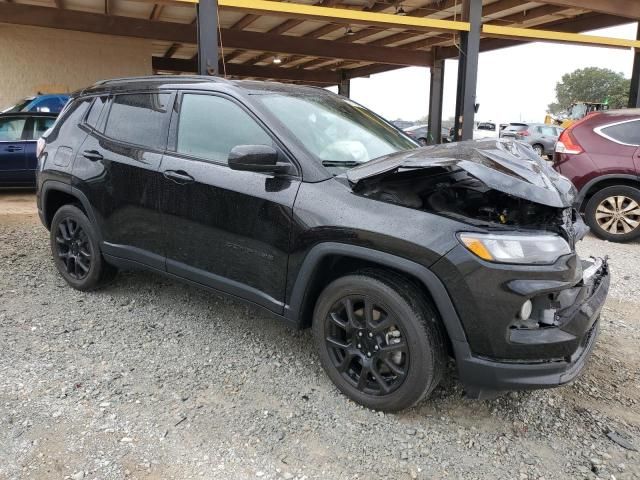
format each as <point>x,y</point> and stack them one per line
<point>68,121</point>
<point>94,112</point>
<point>628,132</point>
<point>209,127</point>
<point>11,129</point>
<point>139,119</point>
<point>550,131</point>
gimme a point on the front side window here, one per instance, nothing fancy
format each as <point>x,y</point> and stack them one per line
<point>11,129</point>
<point>209,127</point>
<point>338,132</point>
<point>627,132</point>
<point>139,119</point>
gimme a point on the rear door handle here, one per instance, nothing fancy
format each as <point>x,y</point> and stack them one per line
<point>13,148</point>
<point>178,176</point>
<point>92,155</point>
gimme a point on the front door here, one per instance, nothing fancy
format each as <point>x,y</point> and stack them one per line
<point>225,229</point>
<point>12,151</point>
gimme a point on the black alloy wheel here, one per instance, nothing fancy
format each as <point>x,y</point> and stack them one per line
<point>379,339</point>
<point>74,248</point>
<point>366,345</point>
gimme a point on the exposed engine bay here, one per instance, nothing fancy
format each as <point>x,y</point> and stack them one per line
<point>493,183</point>
<point>460,196</point>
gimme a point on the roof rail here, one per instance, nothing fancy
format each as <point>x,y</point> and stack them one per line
<point>161,78</point>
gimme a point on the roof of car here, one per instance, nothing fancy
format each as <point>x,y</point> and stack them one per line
<point>622,111</point>
<point>209,82</point>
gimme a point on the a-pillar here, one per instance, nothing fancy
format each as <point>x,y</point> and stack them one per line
<point>207,11</point>
<point>468,69</point>
<point>436,89</point>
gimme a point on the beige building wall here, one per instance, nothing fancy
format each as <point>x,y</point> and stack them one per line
<point>34,59</point>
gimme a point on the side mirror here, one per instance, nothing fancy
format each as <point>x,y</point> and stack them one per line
<point>256,158</point>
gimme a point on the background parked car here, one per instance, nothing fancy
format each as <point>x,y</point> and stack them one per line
<point>19,133</point>
<point>420,133</point>
<point>541,137</point>
<point>52,103</point>
<point>600,154</point>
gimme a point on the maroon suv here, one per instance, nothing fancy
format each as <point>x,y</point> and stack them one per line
<point>600,154</point>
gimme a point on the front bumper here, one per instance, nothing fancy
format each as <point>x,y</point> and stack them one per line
<point>483,377</point>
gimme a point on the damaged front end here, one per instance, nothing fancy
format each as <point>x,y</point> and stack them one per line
<point>492,183</point>
<point>528,304</point>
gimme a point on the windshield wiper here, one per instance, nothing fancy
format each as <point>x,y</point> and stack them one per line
<point>338,163</point>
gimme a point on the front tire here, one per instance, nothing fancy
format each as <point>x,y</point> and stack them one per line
<point>76,250</point>
<point>539,149</point>
<point>613,213</point>
<point>379,340</point>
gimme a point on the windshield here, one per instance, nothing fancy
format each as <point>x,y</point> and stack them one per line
<point>18,107</point>
<point>338,132</point>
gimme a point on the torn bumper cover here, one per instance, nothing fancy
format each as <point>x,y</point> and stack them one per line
<point>575,327</point>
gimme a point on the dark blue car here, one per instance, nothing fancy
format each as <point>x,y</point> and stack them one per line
<point>19,133</point>
<point>51,103</point>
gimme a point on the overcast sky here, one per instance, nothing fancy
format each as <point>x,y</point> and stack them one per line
<point>514,83</point>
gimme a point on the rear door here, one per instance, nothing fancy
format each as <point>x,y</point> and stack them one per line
<point>117,170</point>
<point>12,150</point>
<point>224,228</point>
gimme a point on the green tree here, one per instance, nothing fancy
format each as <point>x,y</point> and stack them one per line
<point>591,84</point>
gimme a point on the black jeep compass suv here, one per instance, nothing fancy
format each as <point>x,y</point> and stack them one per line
<point>313,207</point>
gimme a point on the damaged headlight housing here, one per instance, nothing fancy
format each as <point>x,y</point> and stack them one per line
<point>522,249</point>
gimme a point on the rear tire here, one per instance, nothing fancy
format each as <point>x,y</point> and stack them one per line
<point>379,339</point>
<point>76,250</point>
<point>613,213</point>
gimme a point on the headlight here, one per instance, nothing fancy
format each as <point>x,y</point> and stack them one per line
<point>524,249</point>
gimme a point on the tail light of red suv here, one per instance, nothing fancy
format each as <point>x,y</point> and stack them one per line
<point>567,142</point>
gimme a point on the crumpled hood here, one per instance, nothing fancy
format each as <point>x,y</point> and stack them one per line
<point>504,165</point>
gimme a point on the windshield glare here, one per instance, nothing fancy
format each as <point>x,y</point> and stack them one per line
<point>338,132</point>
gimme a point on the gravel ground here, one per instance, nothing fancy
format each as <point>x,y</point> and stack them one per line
<point>152,379</point>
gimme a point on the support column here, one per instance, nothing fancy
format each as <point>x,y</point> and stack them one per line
<point>634,93</point>
<point>207,21</point>
<point>344,87</point>
<point>468,69</point>
<point>436,88</point>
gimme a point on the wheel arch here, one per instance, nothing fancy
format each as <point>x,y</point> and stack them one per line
<point>328,261</point>
<point>55,194</point>
<point>595,185</point>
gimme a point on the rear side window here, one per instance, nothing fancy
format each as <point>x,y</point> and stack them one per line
<point>11,129</point>
<point>627,132</point>
<point>69,121</point>
<point>94,113</point>
<point>38,127</point>
<point>139,119</point>
<point>550,131</point>
<point>209,127</point>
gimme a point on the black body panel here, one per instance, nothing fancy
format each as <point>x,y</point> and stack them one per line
<point>268,238</point>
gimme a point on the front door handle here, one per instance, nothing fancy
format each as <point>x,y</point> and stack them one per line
<point>92,155</point>
<point>13,148</point>
<point>178,176</point>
